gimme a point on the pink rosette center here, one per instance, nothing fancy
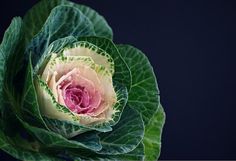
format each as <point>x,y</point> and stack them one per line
<point>76,98</point>
<point>79,94</point>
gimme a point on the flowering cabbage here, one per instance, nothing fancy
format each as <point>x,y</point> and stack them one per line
<point>69,93</point>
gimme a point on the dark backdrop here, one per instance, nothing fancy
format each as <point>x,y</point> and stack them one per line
<point>191,45</point>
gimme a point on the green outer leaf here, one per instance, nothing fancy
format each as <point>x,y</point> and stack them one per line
<point>10,124</point>
<point>152,137</point>
<point>136,154</point>
<point>10,64</point>
<point>144,92</point>
<point>63,21</point>
<point>30,102</point>
<point>101,27</point>
<point>69,129</point>
<point>126,135</point>
<point>122,72</point>
<point>19,152</point>
<point>11,40</point>
<point>9,46</point>
<point>89,138</point>
<point>37,15</point>
<point>51,139</point>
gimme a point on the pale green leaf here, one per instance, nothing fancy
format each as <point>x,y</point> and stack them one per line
<point>122,72</point>
<point>56,46</point>
<point>152,137</point>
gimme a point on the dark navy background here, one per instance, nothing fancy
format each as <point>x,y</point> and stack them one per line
<point>191,45</point>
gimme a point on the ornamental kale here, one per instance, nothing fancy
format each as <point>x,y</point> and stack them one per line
<point>68,92</point>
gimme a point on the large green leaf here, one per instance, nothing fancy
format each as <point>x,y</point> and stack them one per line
<point>51,139</point>
<point>69,129</point>
<point>22,149</point>
<point>144,92</point>
<point>63,21</point>
<point>10,124</point>
<point>10,43</point>
<point>10,60</point>
<point>37,15</point>
<point>122,72</point>
<point>125,136</point>
<point>10,64</point>
<point>101,27</point>
<point>152,137</point>
<point>30,107</point>
<point>136,154</point>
